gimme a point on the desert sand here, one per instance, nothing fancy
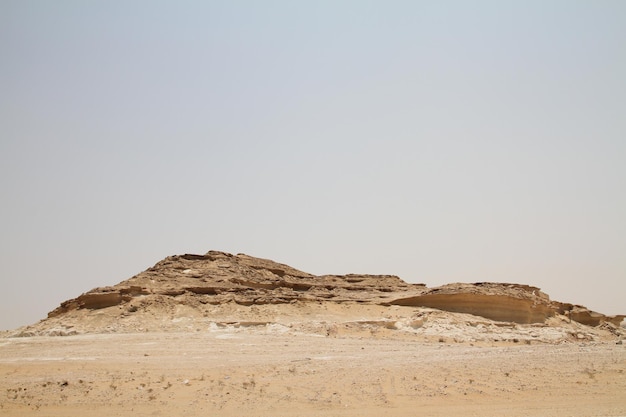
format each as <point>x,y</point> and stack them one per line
<point>267,371</point>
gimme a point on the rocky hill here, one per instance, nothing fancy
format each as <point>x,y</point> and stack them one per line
<point>217,289</point>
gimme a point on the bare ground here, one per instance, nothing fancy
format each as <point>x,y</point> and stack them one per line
<point>270,370</point>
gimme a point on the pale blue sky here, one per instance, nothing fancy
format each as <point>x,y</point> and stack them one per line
<point>440,141</point>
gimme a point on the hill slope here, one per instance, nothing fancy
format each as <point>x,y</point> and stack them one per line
<point>196,292</point>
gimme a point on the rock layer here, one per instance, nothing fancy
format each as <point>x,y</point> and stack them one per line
<point>217,278</point>
<point>494,307</point>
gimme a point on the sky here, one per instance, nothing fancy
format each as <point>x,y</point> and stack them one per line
<point>440,141</point>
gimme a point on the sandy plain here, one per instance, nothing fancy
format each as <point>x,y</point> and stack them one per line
<point>269,371</point>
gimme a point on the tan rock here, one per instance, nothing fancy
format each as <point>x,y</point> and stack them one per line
<point>180,290</point>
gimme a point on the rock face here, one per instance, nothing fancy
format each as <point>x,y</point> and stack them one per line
<point>191,284</point>
<point>218,290</point>
<point>500,302</point>
<point>218,278</point>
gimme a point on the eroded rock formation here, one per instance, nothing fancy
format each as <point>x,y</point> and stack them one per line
<point>218,278</point>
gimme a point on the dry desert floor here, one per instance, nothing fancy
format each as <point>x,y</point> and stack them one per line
<point>268,372</point>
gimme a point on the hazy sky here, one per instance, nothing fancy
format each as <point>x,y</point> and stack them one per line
<point>440,141</point>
